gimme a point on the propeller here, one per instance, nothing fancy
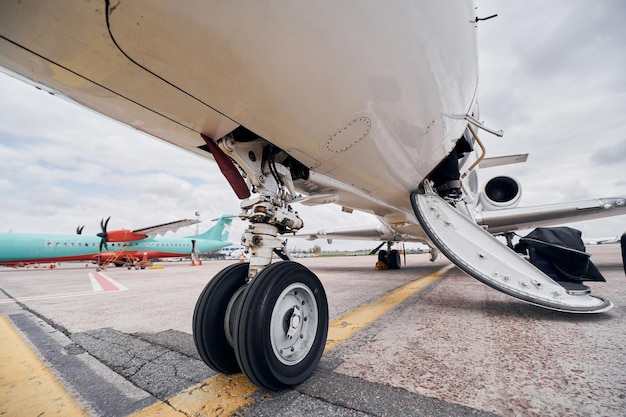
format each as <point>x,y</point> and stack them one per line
<point>103,235</point>
<point>79,230</point>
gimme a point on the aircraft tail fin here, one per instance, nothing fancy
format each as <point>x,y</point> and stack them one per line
<point>219,231</point>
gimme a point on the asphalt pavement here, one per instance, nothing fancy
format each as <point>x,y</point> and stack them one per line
<point>424,340</point>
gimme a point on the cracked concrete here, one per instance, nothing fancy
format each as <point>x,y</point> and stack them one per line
<point>150,366</point>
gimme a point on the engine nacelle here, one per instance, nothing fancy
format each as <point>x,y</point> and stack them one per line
<point>500,192</point>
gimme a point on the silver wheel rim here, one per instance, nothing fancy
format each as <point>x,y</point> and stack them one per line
<point>293,324</point>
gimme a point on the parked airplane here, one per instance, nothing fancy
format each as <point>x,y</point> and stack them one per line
<point>602,240</point>
<point>115,246</point>
<point>347,102</point>
<point>233,252</point>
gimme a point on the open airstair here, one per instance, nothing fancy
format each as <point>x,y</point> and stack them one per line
<point>110,258</point>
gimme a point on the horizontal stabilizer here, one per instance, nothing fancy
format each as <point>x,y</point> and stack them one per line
<point>503,160</point>
<point>373,232</point>
<point>162,229</point>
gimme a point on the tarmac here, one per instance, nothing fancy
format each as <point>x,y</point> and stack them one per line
<point>425,340</point>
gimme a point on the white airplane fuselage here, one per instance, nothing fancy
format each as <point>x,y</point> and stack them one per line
<point>176,72</point>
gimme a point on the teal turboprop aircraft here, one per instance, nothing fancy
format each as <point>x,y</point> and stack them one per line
<point>118,246</point>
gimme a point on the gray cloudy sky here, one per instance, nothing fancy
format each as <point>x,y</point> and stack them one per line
<point>553,76</point>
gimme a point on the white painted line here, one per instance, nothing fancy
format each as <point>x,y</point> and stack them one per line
<point>94,283</point>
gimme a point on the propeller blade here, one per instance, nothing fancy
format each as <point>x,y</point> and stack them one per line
<point>103,235</point>
<point>104,224</point>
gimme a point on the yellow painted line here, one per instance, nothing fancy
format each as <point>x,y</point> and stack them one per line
<point>344,327</point>
<point>27,386</point>
<point>222,395</point>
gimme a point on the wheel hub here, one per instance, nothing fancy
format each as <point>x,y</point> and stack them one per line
<point>293,324</point>
<point>295,321</point>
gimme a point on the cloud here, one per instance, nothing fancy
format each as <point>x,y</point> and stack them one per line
<point>610,154</point>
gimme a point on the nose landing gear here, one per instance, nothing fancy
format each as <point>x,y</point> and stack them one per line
<point>269,321</point>
<point>273,329</point>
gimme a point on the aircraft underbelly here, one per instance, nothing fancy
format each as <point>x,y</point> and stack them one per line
<point>481,256</point>
<point>65,46</point>
<point>329,83</point>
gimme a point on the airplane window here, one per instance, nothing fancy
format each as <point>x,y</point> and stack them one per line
<point>64,243</point>
<point>48,244</point>
<point>58,244</point>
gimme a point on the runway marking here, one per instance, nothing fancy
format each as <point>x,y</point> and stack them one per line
<point>344,327</point>
<point>102,282</point>
<point>27,386</point>
<point>99,282</point>
<point>223,394</point>
<point>220,395</point>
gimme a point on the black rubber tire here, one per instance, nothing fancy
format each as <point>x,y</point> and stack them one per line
<point>209,335</point>
<point>393,260</point>
<point>382,256</point>
<point>254,347</point>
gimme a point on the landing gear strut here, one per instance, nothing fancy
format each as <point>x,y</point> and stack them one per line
<point>269,321</point>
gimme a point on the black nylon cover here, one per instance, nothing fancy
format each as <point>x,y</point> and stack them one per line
<point>560,253</point>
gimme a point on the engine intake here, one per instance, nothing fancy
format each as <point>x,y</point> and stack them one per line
<point>500,192</point>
